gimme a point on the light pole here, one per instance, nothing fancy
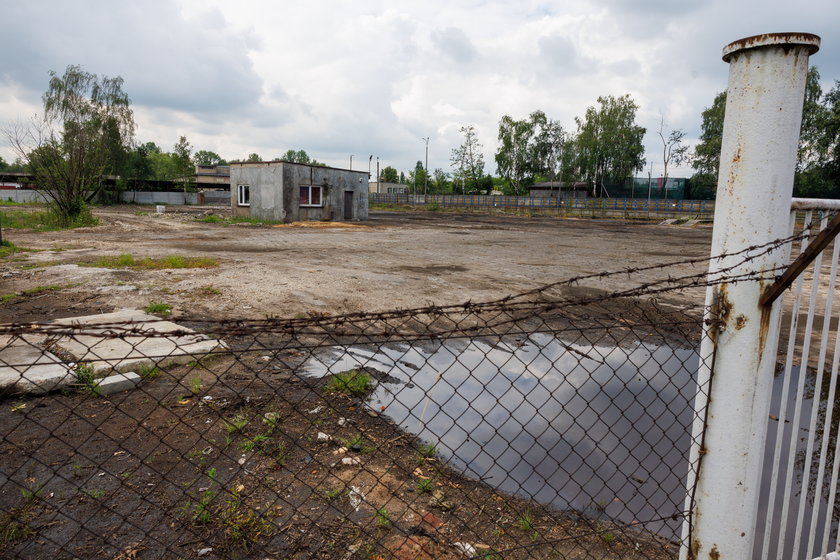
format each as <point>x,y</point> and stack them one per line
<point>351,162</point>
<point>426,182</point>
<point>370,159</point>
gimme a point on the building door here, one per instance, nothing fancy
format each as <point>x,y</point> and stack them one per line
<point>348,205</point>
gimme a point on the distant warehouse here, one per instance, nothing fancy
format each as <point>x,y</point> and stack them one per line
<point>292,192</point>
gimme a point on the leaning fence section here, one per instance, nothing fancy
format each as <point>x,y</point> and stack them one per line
<point>553,423</point>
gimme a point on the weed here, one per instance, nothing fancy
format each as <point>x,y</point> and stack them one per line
<point>243,526</point>
<point>332,494</point>
<point>7,297</point>
<point>86,380</point>
<point>255,443</point>
<point>271,419</point>
<point>525,522</point>
<point>280,454</point>
<point>608,537</point>
<point>357,443</point>
<point>95,493</point>
<point>195,385</point>
<point>235,424</point>
<point>33,492</point>
<point>199,512</point>
<point>351,382</point>
<point>157,307</point>
<point>383,518</point>
<point>427,450</point>
<point>148,371</point>
<point>425,485</point>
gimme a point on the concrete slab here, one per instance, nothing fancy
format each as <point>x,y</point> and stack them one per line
<point>144,341</point>
<point>117,382</point>
<point>129,352</point>
<point>26,367</point>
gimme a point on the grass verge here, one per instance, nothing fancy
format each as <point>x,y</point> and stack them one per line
<point>127,260</point>
<point>44,220</point>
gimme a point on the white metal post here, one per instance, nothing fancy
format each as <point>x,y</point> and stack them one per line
<point>738,353</point>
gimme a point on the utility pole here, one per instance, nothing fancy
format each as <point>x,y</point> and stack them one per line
<point>426,185</point>
<point>351,162</point>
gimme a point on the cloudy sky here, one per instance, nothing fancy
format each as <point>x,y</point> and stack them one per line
<point>374,77</point>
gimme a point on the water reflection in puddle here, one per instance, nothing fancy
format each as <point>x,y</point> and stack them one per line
<point>600,429</point>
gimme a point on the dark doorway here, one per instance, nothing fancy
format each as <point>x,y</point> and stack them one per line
<point>348,205</point>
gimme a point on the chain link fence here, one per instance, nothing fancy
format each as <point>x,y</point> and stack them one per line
<point>551,424</point>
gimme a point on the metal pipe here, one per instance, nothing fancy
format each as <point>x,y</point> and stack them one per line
<point>758,156</point>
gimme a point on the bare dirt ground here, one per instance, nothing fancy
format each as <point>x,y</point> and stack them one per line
<point>133,475</point>
<point>394,260</point>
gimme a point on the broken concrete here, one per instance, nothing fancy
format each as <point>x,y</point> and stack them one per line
<point>118,382</point>
<point>123,341</point>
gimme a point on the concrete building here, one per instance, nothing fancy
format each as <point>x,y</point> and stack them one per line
<point>292,192</point>
<point>212,176</point>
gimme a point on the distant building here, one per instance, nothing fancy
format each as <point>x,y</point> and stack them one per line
<point>388,188</point>
<point>557,189</point>
<point>212,176</point>
<point>292,192</point>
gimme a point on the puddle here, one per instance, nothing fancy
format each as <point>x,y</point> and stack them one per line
<point>603,430</point>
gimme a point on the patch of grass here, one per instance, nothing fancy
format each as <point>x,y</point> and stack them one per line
<point>40,290</point>
<point>158,307</point>
<point>351,382</point>
<point>168,262</point>
<point>45,220</point>
<point>95,493</point>
<point>211,219</point>
<point>243,526</point>
<point>7,297</point>
<point>8,248</point>
<point>207,291</point>
<point>254,221</point>
<point>86,380</point>
<point>383,518</point>
<point>280,454</point>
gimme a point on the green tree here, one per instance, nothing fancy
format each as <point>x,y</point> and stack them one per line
<point>296,156</point>
<point>206,157</point>
<point>86,131</point>
<point>468,161</point>
<point>182,157</point>
<point>706,157</point>
<point>417,177</point>
<point>253,157</point>
<point>440,181</point>
<point>527,148</point>
<point>389,175</point>
<point>608,145</point>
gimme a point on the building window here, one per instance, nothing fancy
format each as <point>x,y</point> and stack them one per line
<point>310,195</point>
<point>244,195</point>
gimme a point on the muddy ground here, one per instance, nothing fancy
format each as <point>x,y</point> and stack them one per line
<point>394,260</point>
<point>224,458</point>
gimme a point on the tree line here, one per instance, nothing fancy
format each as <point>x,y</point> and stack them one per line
<point>87,132</point>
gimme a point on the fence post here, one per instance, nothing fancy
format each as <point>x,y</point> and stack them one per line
<point>738,351</point>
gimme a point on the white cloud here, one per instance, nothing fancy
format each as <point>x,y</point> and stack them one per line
<point>373,76</point>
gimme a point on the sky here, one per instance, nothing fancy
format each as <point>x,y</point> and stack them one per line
<point>375,77</point>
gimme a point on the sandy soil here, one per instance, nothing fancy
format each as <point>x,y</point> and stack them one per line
<point>395,260</point>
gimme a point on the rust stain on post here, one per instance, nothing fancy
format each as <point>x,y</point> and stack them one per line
<point>714,554</point>
<point>787,41</point>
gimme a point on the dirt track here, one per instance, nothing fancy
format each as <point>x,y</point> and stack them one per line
<point>395,260</point>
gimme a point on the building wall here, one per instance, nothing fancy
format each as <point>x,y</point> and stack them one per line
<point>275,191</point>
